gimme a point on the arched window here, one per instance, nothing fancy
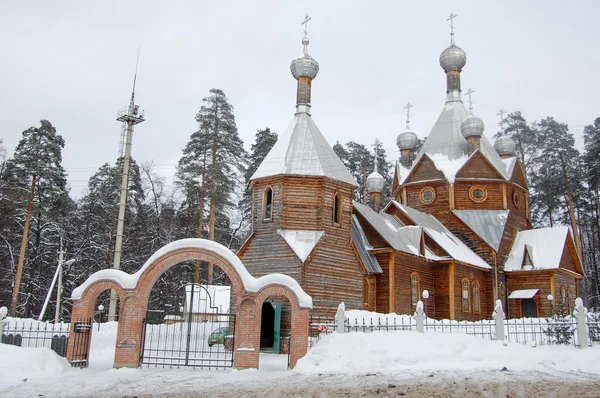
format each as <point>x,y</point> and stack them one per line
<point>415,288</point>
<point>465,295</point>
<point>476,305</point>
<point>569,301</point>
<point>563,296</point>
<point>337,208</point>
<point>268,203</point>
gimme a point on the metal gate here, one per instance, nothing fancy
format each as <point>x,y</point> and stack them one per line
<point>200,336</point>
<point>82,331</point>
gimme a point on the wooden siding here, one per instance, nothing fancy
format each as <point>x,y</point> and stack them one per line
<point>478,167</point>
<point>424,170</point>
<point>486,296</point>
<point>440,203</point>
<point>382,295</point>
<point>441,287</point>
<point>494,200</point>
<point>405,265</point>
<point>541,280</point>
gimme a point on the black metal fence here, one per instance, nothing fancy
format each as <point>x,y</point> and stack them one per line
<point>29,333</point>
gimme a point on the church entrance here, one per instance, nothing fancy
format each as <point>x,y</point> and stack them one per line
<point>528,308</point>
<point>275,333</point>
<point>267,326</point>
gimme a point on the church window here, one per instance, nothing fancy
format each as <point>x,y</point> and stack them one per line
<point>337,208</point>
<point>478,193</point>
<point>563,294</point>
<point>476,305</point>
<point>427,195</point>
<point>414,288</point>
<point>268,203</point>
<point>517,199</point>
<point>465,295</point>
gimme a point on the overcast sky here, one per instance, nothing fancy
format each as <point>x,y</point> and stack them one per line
<point>72,63</point>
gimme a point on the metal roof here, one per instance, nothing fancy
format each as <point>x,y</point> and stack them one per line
<point>488,224</point>
<point>363,246</point>
<point>445,138</point>
<point>303,150</point>
<point>389,227</point>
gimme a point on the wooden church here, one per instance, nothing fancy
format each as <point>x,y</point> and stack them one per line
<point>459,226</point>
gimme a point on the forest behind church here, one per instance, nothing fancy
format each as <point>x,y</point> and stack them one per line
<point>209,199</point>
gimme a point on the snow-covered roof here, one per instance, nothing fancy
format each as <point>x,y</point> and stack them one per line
<point>447,147</point>
<point>302,242</point>
<point>303,150</point>
<point>523,294</point>
<point>442,236</point>
<point>546,247</point>
<point>250,283</point>
<point>401,173</point>
<point>510,164</point>
<point>363,246</point>
<point>488,224</point>
<point>389,227</point>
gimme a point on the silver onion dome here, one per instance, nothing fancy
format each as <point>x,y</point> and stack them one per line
<point>505,146</point>
<point>375,182</point>
<point>407,140</point>
<point>305,66</point>
<point>472,126</point>
<point>453,58</point>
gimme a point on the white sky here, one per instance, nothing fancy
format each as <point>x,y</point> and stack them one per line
<point>72,63</point>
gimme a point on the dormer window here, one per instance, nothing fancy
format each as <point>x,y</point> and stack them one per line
<point>268,204</point>
<point>337,208</point>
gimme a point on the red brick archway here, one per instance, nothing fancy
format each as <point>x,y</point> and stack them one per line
<point>134,292</point>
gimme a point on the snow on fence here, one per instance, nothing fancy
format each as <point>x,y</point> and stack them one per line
<point>32,333</point>
<point>532,331</point>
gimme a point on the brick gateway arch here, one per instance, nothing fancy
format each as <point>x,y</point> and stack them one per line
<point>134,291</point>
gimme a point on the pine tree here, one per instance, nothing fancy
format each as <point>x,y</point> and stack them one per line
<point>212,164</point>
<point>526,137</point>
<point>36,173</point>
<point>384,168</point>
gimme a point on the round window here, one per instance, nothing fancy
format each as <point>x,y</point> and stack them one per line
<point>427,195</point>
<point>477,193</point>
<point>517,199</point>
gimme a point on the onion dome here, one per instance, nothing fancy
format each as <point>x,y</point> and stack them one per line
<point>375,182</point>
<point>407,140</point>
<point>453,58</point>
<point>472,126</point>
<point>505,146</point>
<point>305,66</point>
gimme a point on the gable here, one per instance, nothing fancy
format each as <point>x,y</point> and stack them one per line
<point>478,167</point>
<point>423,170</point>
<point>518,175</point>
<point>569,259</point>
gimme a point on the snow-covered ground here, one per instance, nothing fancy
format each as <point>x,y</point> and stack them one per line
<point>340,364</point>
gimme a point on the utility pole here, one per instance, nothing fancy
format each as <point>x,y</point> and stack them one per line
<point>131,115</point>
<point>15,296</point>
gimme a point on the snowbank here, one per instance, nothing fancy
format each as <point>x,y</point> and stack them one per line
<point>18,363</point>
<point>392,352</point>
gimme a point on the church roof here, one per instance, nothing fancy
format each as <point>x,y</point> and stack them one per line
<point>488,224</point>
<point>442,236</point>
<point>363,246</point>
<point>448,149</point>
<point>545,247</point>
<point>303,150</point>
<point>389,227</point>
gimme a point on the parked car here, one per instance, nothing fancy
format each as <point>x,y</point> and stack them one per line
<point>218,336</point>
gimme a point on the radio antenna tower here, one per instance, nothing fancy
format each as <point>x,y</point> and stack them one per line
<point>129,116</point>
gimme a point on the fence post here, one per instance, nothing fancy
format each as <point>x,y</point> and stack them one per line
<point>420,317</point>
<point>3,313</point>
<point>340,318</point>
<point>580,314</point>
<point>499,318</point>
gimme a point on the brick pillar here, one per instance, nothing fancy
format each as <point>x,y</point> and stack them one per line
<point>129,334</point>
<point>79,312</point>
<point>299,340</point>
<point>247,334</point>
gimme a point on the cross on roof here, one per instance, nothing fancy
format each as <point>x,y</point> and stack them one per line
<point>451,19</point>
<point>407,107</point>
<point>501,114</point>
<point>375,145</point>
<point>469,92</point>
<point>305,23</point>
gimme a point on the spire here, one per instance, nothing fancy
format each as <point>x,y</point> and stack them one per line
<point>375,145</point>
<point>501,124</point>
<point>452,60</point>
<point>469,92</point>
<point>375,182</point>
<point>304,69</point>
<point>451,19</point>
<point>407,107</point>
